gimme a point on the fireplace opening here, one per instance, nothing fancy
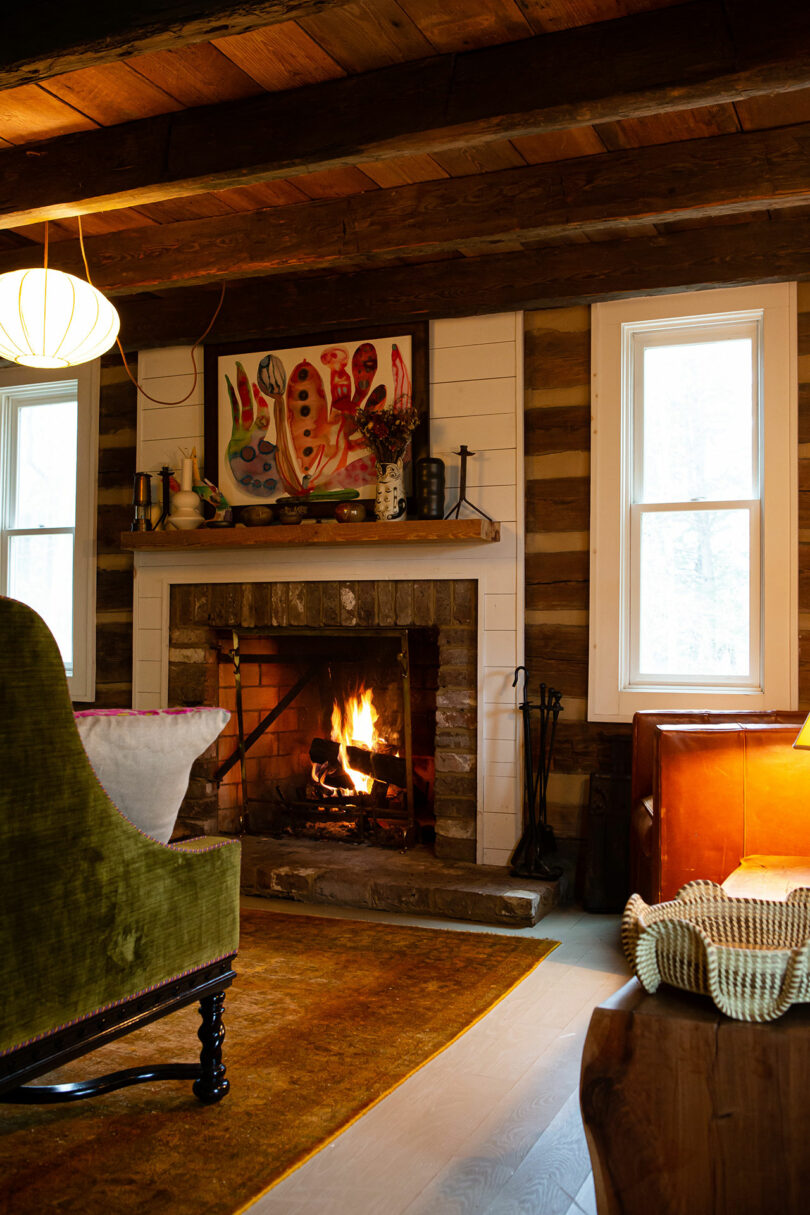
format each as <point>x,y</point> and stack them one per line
<point>304,623</point>
<point>333,734</point>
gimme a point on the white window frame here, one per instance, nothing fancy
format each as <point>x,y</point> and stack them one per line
<point>613,693</point>
<point>82,681</point>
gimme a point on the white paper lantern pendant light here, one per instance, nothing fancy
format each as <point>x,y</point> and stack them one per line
<point>52,319</point>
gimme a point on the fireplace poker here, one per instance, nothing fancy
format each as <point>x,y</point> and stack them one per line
<point>537,839</point>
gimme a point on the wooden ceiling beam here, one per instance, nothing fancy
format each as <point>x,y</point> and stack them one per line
<point>756,171</point>
<point>674,58</point>
<point>278,307</point>
<point>41,38</point>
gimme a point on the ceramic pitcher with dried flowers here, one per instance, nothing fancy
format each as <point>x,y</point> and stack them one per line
<point>387,430</point>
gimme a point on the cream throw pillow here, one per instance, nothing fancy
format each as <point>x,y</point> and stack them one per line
<point>143,758</point>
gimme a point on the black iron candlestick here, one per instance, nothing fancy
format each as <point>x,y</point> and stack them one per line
<point>462,487</point>
<point>166,496</point>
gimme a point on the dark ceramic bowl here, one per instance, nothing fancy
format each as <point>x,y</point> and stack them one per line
<point>350,512</point>
<point>257,516</point>
<point>291,514</point>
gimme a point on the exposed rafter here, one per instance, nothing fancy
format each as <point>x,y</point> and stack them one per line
<point>541,278</point>
<point>41,38</point>
<point>668,59</point>
<point>704,177</point>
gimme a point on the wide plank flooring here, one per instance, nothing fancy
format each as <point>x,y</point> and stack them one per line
<point>492,1125</point>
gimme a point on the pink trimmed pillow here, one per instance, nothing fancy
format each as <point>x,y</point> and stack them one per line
<point>143,758</point>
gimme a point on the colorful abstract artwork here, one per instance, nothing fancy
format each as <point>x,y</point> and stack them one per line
<point>286,422</point>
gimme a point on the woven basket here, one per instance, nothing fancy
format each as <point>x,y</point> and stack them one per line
<point>752,956</point>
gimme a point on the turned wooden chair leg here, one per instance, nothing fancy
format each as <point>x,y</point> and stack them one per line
<point>211,1085</point>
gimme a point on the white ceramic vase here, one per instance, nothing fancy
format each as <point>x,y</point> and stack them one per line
<point>389,504</point>
<point>186,512</point>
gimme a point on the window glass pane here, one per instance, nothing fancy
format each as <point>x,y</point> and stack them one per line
<point>694,593</point>
<point>46,465</point>
<point>40,573</point>
<point>698,421</point>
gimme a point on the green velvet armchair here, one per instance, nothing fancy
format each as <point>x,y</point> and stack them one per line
<point>102,929</point>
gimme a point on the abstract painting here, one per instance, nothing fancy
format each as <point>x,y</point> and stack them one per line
<point>285,415</point>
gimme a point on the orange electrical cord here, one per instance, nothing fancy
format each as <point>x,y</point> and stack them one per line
<point>201,338</point>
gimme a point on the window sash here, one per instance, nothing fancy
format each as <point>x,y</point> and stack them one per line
<point>638,338</point>
<point>21,386</point>
<point>633,677</point>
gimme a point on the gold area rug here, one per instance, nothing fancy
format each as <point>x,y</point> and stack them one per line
<point>325,1017</point>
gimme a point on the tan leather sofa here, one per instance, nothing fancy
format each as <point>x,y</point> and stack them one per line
<point>711,788</point>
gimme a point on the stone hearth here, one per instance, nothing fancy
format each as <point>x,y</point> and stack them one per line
<point>415,883</point>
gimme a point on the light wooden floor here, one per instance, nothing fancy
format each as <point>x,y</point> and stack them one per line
<point>491,1126</point>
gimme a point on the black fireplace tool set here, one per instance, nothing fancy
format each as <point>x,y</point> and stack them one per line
<point>537,841</point>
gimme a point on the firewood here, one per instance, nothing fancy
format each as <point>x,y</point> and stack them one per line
<point>387,768</point>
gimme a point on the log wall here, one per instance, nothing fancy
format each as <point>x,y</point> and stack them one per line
<point>116,470</point>
<point>557,436</point>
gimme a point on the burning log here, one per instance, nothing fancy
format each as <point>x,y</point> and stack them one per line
<point>333,777</point>
<point>390,769</point>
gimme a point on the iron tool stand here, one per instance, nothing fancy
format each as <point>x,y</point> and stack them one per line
<point>537,840</point>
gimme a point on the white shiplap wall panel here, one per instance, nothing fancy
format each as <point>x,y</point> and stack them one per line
<point>473,330</point>
<point>167,430</point>
<point>480,433</point>
<point>499,611</point>
<point>486,467</point>
<point>461,398</point>
<point>469,364</point>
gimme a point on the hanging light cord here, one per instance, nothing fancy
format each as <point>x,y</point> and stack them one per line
<point>200,339</point>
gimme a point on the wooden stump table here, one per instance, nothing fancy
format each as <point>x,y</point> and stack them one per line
<point>689,1113</point>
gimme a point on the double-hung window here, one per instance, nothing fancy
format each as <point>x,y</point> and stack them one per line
<point>693,525</point>
<point>48,435</point>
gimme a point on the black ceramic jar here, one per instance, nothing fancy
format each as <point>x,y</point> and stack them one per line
<point>430,488</point>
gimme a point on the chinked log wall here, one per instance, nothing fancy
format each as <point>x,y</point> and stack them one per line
<point>557,421</point>
<point>116,469</point>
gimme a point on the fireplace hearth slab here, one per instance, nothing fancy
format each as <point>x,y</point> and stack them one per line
<point>416,882</point>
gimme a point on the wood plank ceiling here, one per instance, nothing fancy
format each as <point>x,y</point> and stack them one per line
<point>398,158</point>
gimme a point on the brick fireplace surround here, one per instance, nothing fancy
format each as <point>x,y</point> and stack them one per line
<point>199,611</point>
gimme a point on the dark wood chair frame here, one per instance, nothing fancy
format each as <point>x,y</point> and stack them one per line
<point>206,985</point>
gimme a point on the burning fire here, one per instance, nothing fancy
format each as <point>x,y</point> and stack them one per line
<point>354,724</point>
<point>354,727</point>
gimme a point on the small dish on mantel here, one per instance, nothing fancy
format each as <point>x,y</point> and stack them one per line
<point>291,514</point>
<point>752,956</point>
<point>256,516</point>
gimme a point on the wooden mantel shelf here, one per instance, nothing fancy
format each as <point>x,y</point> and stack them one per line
<point>416,531</point>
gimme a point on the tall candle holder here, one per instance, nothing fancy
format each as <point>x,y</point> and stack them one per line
<point>453,513</point>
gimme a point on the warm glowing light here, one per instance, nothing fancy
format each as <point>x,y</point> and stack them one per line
<point>51,319</point>
<point>802,742</point>
<point>353,725</point>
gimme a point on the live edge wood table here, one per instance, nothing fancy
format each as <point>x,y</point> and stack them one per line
<point>689,1113</point>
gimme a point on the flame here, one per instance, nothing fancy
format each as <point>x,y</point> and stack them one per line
<point>355,725</point>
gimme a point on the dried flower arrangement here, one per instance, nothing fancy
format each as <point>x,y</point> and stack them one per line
<point>387,431</point>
